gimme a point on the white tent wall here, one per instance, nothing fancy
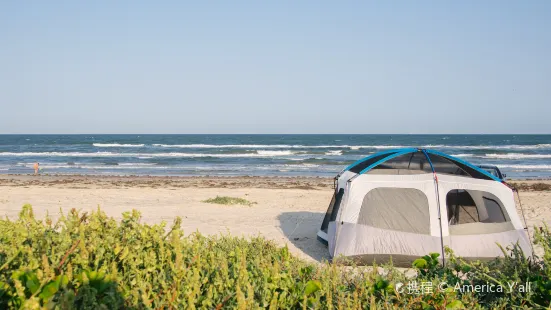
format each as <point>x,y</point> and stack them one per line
<point>343,179</point>
<point>348,238</point>
<point>361,185</point>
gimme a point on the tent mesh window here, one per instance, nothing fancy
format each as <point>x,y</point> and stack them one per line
<point>475,212</point>
<point>333,210</point>
<point>366,163</point>
<point>400,209</point>
<point>411,163</point>
<point>461,208</point>
<point>448,166</point>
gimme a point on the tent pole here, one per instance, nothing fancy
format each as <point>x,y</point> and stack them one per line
<point>438,204</point>
<point>524,218</point>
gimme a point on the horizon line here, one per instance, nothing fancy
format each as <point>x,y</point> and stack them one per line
<point>279,134</point>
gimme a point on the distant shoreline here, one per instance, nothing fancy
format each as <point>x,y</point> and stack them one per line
<point>110,181</point>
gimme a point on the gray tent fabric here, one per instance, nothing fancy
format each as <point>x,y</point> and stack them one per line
<point>494,211</point>
<point>480,228</point>
<point>401,209</point>
<point>366,243</point>
<point>477,246</point>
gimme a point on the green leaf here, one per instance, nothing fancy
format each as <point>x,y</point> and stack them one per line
<point>64,280</point>
<point>380,283</point>
<point>49,290</point>
<point>306,271</point>
<point>434,255</point>
<point>311,287</point>
<point>3,288</point>
<point>32,282</point>
<point>456,304</point>
<point>18,275</point>
<point>420,263</point>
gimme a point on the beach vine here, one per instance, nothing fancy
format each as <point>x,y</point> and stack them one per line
<point>92,261</point>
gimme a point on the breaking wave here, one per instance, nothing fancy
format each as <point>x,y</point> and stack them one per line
<point>518,156</point>
<point>526,167</point>
<point>271,153</point>
<point>145,155</point>
<point>355,147</point>
<point>116,145</point>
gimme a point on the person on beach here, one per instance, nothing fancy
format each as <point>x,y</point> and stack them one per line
<point>36,168</point>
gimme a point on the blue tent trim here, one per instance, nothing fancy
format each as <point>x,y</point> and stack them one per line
<point>486,173</point>
<point>369,157</point>
<point>401,152</point>
<point>398,152</point>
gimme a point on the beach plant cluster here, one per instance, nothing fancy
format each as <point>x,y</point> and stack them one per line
<point>92,261</point>
<point>537,187</point>
<point>225,200</point>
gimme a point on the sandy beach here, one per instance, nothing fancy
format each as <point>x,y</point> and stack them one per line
<point>286,210</point>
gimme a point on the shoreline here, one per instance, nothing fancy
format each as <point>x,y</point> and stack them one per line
<point>109,181</point>
<point>204,181</point>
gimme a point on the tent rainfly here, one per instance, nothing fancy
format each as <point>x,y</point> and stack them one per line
<point>405,203</point>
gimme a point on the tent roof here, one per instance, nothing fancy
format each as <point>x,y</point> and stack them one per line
<point>368,163</point>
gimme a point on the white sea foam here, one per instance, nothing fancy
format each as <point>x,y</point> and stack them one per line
<point>272,146</point>
<point>463,155</point>
<point>518,156</point>
<point>304,165</point>
<point>96,166</point>
<point>258,153</point>
<point>462,147</point>
<point>117,145</point>
<point>105,167</point>
<point>492,147</point>
<point>59,154</point>
<point>137,164</point>
<point>287,167</point>
<point>265,154</point>
<point>356,147</point>
<point>247,146</point>
<point>526,167</point>
<point>272,153</point>
<point>378,146</point>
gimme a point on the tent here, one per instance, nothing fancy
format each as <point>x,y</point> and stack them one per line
<point>406,203</point>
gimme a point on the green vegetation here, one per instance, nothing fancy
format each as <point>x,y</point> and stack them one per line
<point>531,186</point>
<point>225,200</point>
<point>95,262</point>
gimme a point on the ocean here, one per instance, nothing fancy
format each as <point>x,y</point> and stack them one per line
<point>519,156</point>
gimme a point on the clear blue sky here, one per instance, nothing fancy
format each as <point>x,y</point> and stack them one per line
<point>275,67</point>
